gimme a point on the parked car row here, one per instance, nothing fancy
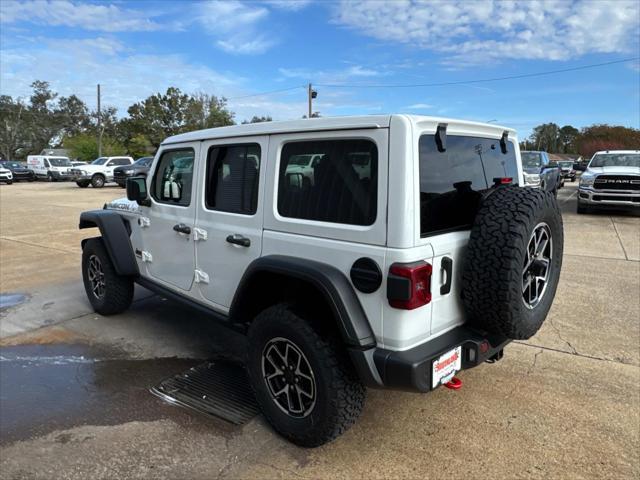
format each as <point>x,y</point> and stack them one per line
<point>57,168</point>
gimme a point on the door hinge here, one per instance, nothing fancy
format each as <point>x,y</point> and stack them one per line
<point>144,222</point>
<point>147,257</point>
<point>199,234</point>
<point>200,276</point>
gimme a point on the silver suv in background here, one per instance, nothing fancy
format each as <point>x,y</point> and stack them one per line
<point>612,179</point>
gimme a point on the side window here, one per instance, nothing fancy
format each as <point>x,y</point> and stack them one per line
<point>329,181</point>
<point>173,178</point>
<point>120,161</point>
<point>46,163</point>
<point>232,178</point>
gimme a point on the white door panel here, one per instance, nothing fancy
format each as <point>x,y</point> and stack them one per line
<point>169,255</point>
<point>221,260</point>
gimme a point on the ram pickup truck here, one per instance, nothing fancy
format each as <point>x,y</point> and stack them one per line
<point>540,171</point>
<point>612,180</point>
<point>98,172</point>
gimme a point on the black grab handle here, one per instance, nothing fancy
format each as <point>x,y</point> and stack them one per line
<point>447,265</point>
<point>239,240</point>
<point>182,228</point>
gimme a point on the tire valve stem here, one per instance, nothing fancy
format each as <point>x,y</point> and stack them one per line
<point>454,384</point>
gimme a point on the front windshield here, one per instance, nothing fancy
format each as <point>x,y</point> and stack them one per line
<point>144,161</point>
<point>13,165</point>
<point>530,159</point>
<point>60,162</point>
<point>615,160</point>
<point>566,164</point>
<point>99,161</point>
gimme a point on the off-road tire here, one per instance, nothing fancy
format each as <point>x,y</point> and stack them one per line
<point>492,278</point>
<point>118,290</point>
<point>83,184</point>
<point>340,396</point>
<point>98,180</point>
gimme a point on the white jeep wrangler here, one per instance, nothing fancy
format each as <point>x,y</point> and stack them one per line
<point>403,251</point>
<point>98,172</point>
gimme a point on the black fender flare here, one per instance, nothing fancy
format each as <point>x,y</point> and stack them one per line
<point>331,282</point>
<point>115,236</point>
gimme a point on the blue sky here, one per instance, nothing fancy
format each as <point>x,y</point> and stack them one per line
<point>235,49</point>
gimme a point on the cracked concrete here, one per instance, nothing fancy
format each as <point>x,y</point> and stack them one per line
<point>563,404</point>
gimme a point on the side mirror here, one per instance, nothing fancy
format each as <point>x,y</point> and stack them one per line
<point>137,190</point>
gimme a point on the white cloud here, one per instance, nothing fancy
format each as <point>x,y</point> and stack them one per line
<point>127,76</point>
<point>88,16</point>
<point>486,30</point>
<point>292,5</point>
<point>419,106</point>
<point>237,26</point>
<point>329,76</point>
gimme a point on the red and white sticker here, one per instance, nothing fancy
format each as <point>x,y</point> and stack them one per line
<point>445,367</point>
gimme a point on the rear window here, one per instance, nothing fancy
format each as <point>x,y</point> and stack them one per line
<point>329,181</point>
<point>452,182</point>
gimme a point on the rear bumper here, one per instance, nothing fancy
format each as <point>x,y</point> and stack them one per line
<point>412,369</point>
<point>612,198</point>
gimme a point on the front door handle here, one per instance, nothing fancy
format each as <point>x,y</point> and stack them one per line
<point>447,266</point>
<point>182,228</point>
<point>239,240</point>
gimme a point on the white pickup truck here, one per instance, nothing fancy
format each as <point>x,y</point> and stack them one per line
<point>612,180</point>
<point>98,172</point>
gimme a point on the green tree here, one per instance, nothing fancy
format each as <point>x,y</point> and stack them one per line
<point>207,111</point>
<point>84,147</point>
<point>567,138</point>
<point>140,146</point>
<point>545,137</point>
<point>14,119</point>
<point>256,119</point>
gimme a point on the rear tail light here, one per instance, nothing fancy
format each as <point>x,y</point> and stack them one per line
<point>409,285</point>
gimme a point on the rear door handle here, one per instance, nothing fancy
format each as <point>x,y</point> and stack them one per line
<point>182,228</point>
<point>239,240</point>
<point>446,264</point>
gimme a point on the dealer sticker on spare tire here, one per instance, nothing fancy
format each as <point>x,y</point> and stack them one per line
<point>445,367</point>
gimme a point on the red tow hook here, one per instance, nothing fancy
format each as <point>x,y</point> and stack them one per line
<point>454,384</point>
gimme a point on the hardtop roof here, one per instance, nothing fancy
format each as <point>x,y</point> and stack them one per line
<point>325,123</point>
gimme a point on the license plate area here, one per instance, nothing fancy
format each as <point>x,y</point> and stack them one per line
<point>445,367</point>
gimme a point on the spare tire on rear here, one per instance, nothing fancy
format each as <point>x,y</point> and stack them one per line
<point>513,261</point>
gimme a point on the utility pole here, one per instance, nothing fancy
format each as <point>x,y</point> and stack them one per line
<point>311,93</point>
<point>99,125</point>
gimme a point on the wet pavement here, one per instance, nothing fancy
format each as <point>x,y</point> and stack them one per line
<point>9,300</point>
<point>56,387</point>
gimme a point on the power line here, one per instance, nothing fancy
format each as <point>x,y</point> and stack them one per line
<point>483,80</point>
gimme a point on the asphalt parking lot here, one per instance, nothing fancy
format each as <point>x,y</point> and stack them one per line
<point>74,399</point>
